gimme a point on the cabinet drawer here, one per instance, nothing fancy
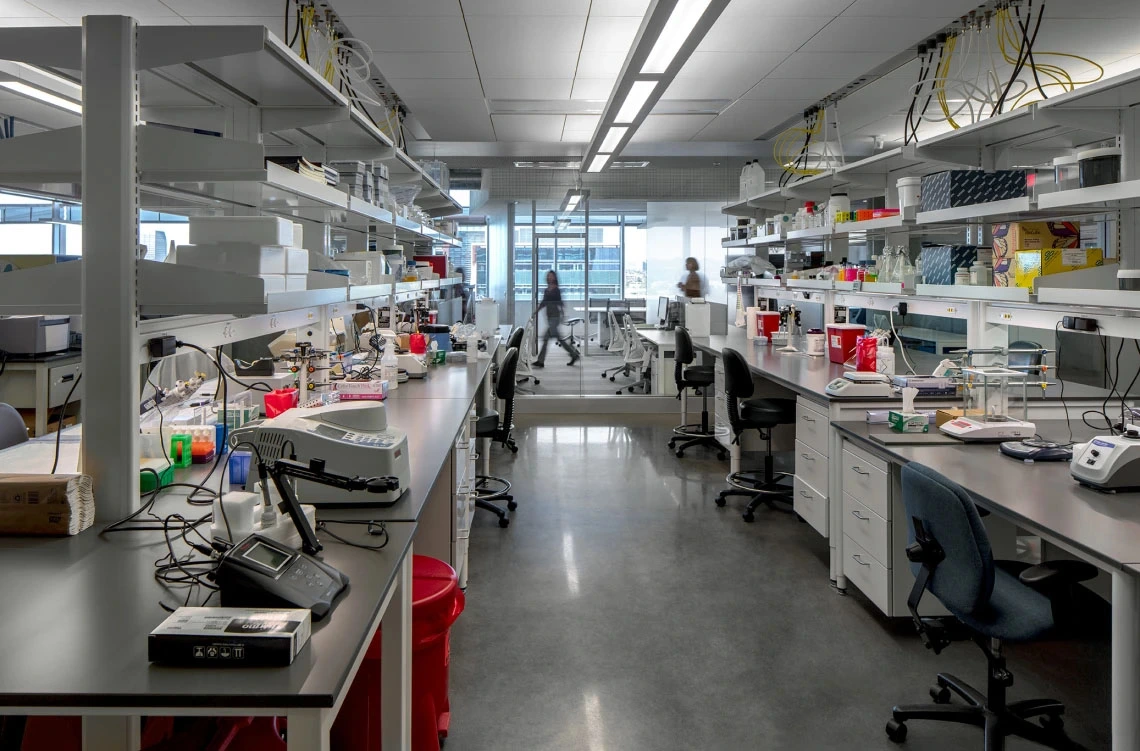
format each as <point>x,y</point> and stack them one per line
<point>811,506</point>
<point>871,531</point>
<point>812,428</point>
<point>811,467</point>
<point>871,577</point>
<point>60,381</point>
<point>866,481</point>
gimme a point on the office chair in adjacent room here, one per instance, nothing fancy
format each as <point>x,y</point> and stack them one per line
<point>761,414</point>
<point>700,378</point>
<point>617,344</point>
<point>1025,362</point>
<point>12,427</point>
<point>489,488</point>
<point>635,359</point>
<point>570,324</point>
<point>527,355</point>
<point>996,601</point>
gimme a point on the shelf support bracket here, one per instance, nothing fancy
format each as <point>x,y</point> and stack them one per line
<point>53,47</point>
<point>275,119</point>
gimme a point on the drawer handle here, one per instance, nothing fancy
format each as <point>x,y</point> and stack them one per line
<point>808,419</point>
<point>806,494</point>
<point>860,560</point>
<point>857,470</point>
<point>860,517</point>
<point>809,457</point>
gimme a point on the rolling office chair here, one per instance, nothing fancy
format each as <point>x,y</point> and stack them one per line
<point>996,601</point>
<point>635,359</point>
<point>489,488</point>
<point>701,378</point>
<point>1026,362</point>
<point>527,355</point>
<point>570,324</point>
<point>761,414</point>
<point>12,428</point>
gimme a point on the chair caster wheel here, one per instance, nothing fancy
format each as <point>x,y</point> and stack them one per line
<point>722,457</point>
<point>504,522</point>
<point>603,376</point>
<point>679,454</point>
<point>1053,723</point>
<point>720,501</point>
<point>748,516</point>
<point>514,449</point>
<point>672,444</point>
<point>613,379</point>
<point>535,381</point>
<point>512,505</point>
<point>896,731</point>
<point>940,694</point>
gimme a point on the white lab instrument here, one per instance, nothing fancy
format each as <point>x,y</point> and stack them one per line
<point>487,316</point>
<point>1109,463</point>
<point>34,335</point>
<point>857,384</point>
<point>986,415</point>
<point>353,438</point>
<point>414,365</point>
<point>698,318</point>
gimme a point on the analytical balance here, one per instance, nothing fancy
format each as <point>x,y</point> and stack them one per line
<point>986,416</point>
<point>1109,463</point>
<point>857,384</point>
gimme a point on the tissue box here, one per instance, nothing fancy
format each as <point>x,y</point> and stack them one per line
<point>1030,264</point>
<point>1011,237</point>
<point>941,261</point>
<point>908,422</point>
<point>944,190</point>
<point>261,230</point>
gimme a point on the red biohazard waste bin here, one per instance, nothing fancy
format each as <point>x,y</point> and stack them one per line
<point>436,602</point>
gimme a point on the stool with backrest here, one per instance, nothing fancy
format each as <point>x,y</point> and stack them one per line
<point>762,414</point>
<point>497,427</point>
<point>12,427</point>
<point>699,378</point>
<point>996,601</point>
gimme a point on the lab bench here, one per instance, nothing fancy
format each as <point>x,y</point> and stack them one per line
<point>41,384</point>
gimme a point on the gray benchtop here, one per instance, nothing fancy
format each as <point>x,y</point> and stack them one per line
<point>78,611</point>
<point>1043,497</point>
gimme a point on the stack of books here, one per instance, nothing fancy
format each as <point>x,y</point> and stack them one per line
<point>323,174</point>
<point>355,179</point>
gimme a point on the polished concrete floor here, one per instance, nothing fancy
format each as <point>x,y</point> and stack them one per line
<point>622,610</point>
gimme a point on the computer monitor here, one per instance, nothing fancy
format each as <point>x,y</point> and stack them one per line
<point>662,311</point>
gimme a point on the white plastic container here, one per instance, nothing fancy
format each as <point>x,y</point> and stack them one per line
<point>910,191</point>
<point>816,343</point>
<point>390,368</point>
<point>962,276</point>
<point>239,258</point>
<point>838,203</point>
<point>261,230</point>
<point>981,274</point>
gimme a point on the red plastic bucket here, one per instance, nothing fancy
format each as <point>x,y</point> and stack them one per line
<point>437,602</point>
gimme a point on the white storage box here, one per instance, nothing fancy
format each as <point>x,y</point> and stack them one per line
<point>296,261</point>
<point>285,282</point>
<point>261,230</point>
<point>245,258</point>
<point>298,235</point>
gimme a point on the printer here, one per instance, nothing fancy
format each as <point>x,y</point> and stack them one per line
<point>353,438</point>
<point>34,335</point>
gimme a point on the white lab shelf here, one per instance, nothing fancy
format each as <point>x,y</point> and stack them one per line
<point>903,220</point>
<point>811,284</point>
<point>359,292</point>
<point>450,281</point>
<point>969,292</point>
<point>990,211</point>
<point>408,287</point>
<point>756,281</point>
<point>1082,198</point>
<point>812,233</point>
<point>885,288</point>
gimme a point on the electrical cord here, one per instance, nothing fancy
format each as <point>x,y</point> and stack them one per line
<point>902,346</point>
<point>59,425</point>
<point>374,528</point>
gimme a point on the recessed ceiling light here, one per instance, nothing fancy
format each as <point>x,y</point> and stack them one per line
<point>598,163</point>
<point>635,99</point>
<point>629,165</point>
<point>549,165</point>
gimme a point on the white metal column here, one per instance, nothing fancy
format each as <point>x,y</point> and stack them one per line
<point>110,242</point>
<point>396,668</point>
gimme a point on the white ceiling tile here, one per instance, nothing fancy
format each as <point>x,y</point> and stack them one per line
<point>248,8</point>
<point>437,88</point>
<point>526,7</point>
<point>894,9</point>
<point>150,21</point>
<point>388,8</point>
<point>410,34</point>
<point>860,34</point>
<point>670,127</point>
<point>453,120</point>
<point>518,35</point>
<point>1094,9</point>
<point>530,128</point>
<point>275,24</point>
<point>782,34</point>
<point>796,88</point>
<point>744,121</point>
<point>785,8</point>
<point>79,8</point>
<point>10,9</point>
<point>506,63</point>
<point>601,65</point>
<point>22,21</point>
<point>619,8</point>
<point>592,88</point>
<point>1095,38</point>
<point>576,136</point>
<point>684,87</point>
<point>527,88</point>
<point>426,64</point>
<point>582,122</point>
<point>610,33</point>
<point>826,64</point>
<point>734,66</point>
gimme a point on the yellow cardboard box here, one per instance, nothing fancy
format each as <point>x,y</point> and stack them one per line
<point>1010,237</point>
<point>1030,264</point>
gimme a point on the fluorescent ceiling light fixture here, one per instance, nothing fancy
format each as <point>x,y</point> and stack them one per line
<point>684,18</point>
<point>598,163</point>
<point>36,70</point>
<point>44,96</point>
<point>613,138</point>
<point>629,165</point>
<point>638,95</point>
<point>549,165</point>
<point>573,203</point>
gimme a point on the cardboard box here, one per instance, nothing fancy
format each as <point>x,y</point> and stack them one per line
<point>941,261</point>
<point>943,416</point>
<point>944,190</point>
<point>1011,237</point>
<point>45,504</point>
<point>1030,264</point>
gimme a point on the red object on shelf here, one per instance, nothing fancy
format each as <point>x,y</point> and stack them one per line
<point>883,213</point>
<point>436,602</point>
<point>768,321</point>
<point>841,340</point>
<point>280,400</point>
<point>867,354</point>
<point>417,343</point>
<point>438,264</point>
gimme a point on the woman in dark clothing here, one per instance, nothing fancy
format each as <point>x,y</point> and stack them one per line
<point>552,302</point>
